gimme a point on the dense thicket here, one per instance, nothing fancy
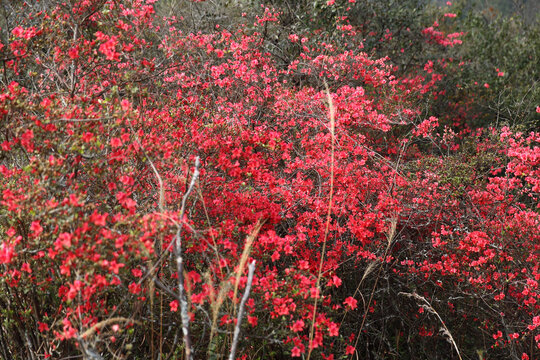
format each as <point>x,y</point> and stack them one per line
<point>237,179</point>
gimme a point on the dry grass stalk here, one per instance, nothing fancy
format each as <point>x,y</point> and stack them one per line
<point>245,255</point>
<point>389,239</point>
<point>216,306</point>
<point>216,303</point>
<point>427,306</point>
<point>104,323</point>
<point>328,217</point>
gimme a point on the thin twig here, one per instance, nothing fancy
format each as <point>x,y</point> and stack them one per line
<point>30,347</point>
<point>161,202</point>
<point>234,344</point>
<point>180,268</point>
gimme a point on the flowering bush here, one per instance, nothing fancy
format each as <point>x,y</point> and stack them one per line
<point>158,184</point>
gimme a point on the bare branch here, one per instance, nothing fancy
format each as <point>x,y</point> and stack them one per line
<point>180,268</point>
<point>236,336</point>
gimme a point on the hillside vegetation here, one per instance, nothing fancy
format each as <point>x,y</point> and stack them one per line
<point>264,180</point>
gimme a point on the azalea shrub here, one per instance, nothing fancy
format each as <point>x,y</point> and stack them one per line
<point>168,193</point>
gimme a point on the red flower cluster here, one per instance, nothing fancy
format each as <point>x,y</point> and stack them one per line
<point>324,170</point>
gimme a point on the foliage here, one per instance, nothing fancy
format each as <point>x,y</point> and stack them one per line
<point>495,81</point>
<point>145,162</point>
